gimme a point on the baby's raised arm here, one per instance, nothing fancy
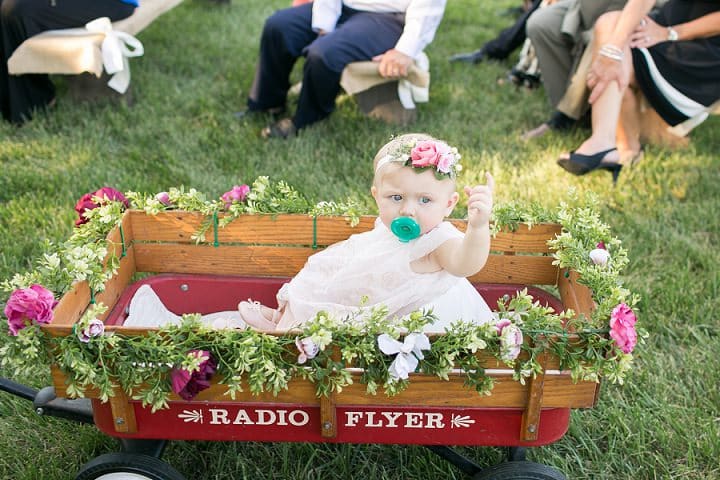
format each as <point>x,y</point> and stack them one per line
<point>465,257</point>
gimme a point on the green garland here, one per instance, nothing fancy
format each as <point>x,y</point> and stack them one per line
<point>247,359</point>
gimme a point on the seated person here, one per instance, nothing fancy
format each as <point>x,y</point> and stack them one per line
<point>507,41</point>
<point>672,56</point>
<point>331,34</point>
<point>21,95</point>
<point>557,34</point>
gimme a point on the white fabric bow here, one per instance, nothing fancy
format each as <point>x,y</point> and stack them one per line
<point>409,352</point>
<point>115,52</point>
<point>408,93</point>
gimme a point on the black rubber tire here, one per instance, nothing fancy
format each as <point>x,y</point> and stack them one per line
<point>135,466</point>
<point>519,471</point>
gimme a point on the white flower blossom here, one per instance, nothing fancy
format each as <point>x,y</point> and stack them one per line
<point>408,353</point>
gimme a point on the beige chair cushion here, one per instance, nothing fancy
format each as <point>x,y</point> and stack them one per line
<point>73,51</point>
<point>360,76</point>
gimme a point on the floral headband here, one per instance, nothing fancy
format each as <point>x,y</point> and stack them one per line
<point>426,154</point>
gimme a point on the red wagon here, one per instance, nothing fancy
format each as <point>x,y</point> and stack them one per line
<point>252,257</point>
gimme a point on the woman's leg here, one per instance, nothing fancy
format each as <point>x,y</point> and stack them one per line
<point>606,109</point>
<point>628,128</point>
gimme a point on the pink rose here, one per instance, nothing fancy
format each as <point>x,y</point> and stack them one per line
<point>87,202</point>
<point>424,154</point>
<point>189,384</point>
<point>622,327</point>
<point>95,328</point>
<point>511,339</point>
<point>29,305</point>
<point>307,348</point>
<point>236,194</point>
<point>164,198</point>
<point>446,158</point>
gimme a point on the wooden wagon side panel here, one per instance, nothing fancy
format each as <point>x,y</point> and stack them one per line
<point>559,392</point>
<point>287,261</point>
<point>179,227</point>
<point>73,303</point>
<point>164,227</point>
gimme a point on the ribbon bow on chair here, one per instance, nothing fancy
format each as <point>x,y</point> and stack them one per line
<point>117,47</point>
<point>409,352</point>
<point>409,92</point>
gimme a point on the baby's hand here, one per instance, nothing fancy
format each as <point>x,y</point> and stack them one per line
<point>480,202</point>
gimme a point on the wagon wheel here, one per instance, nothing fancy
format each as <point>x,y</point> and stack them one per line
<point>127,466</point>
<point>520,470</point>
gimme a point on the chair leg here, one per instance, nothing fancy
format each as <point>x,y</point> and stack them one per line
<point>86,87</point>
<point>381,102</point>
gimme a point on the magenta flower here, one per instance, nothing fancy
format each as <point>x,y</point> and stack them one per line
<point>307,348</point>
<point>164,198</point>
<point>188,384</point>
<point>88,202</point>
<point>94,328</point>
<point>622,327</point>
<point>236,194</point>
<point>29,305</point>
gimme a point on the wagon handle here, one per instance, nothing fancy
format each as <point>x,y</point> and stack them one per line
<point>47,403</point>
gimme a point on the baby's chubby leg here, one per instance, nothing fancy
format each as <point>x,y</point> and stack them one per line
<point>258,316</point>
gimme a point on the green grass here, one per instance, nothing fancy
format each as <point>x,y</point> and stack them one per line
<point>663,423</point>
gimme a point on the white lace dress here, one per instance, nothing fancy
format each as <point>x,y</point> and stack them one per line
<point>373,264</point>
<point>376,265</point>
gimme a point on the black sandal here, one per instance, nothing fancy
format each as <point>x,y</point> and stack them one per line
<point>284,129</point>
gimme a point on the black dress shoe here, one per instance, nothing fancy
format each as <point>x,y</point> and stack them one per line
<point>284,129</point>
<point>473,57</point>
<point>580,164</point>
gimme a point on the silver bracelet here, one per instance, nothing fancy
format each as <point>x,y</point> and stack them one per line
<point>611,51</point>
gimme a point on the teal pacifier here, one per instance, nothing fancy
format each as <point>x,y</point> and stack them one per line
<point>405,228</point>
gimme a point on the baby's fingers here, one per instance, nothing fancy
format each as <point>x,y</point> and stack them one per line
<point>490,181</point>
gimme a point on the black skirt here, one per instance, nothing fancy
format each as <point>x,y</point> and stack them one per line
<point>680,78</point>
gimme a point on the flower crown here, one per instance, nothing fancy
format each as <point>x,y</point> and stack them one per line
<point>426,154</point>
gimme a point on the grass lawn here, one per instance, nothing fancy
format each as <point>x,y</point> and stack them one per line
<point>198,66</point>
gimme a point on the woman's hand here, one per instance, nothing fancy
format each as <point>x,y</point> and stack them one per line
<point>602,72</point>
<point>480,203</point>
<point>647,34</point>
<point>393,63</point>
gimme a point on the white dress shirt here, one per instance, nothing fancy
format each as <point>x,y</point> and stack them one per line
<point>422,18</point>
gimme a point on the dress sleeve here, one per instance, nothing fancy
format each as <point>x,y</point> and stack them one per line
<point>433,239</point>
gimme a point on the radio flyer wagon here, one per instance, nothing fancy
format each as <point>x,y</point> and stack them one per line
<point>252,257</point>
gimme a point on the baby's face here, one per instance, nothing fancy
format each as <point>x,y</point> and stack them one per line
<point>402,192</point>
